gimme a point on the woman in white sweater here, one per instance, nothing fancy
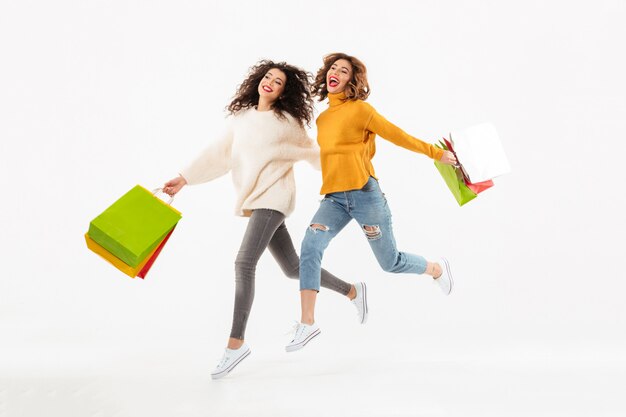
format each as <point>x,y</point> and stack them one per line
<point>264,139</point>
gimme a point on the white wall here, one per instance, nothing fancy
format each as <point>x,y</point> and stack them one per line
<point>97,96</point>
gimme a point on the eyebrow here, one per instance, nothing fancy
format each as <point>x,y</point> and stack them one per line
<point>342,67</point>
<point>277,77</point>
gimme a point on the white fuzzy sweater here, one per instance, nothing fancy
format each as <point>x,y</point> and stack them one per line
<point>259,149</point>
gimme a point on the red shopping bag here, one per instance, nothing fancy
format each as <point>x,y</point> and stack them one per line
<point>478,187</point>
<point>144,271</point>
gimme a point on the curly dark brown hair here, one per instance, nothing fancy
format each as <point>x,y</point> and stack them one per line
<point>295,100</point>
<point>357,89</point>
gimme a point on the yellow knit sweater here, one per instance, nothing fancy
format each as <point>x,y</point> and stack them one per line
<point>345,132</point>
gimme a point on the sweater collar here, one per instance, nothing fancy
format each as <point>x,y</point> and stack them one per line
<point>336,99</point>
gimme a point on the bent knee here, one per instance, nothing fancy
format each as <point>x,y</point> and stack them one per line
<point>390,265</point>
<point>243,264</point>
<point>293,273</point>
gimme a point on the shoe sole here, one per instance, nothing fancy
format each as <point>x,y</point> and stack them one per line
<point>292,348</point>
<point>449,271</point>
<point>232,366</point>
<point>365,310</point>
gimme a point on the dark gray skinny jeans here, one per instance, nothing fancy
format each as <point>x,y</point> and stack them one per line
<point>266,229</point>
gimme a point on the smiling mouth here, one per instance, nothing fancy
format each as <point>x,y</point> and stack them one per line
<point>267,89</point>
<point>333,82</point>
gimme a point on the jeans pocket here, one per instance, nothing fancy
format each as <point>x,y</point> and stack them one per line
<point>327,198</point>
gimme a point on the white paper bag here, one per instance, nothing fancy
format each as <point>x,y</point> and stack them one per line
<point>479,150</point>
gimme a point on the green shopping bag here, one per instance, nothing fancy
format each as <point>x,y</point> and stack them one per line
<point>454,180</point>
<point>133,226</point>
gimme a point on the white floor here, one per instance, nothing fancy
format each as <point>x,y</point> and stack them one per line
<point>366,380</point>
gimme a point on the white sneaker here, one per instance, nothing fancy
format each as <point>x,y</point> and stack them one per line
<point>360,301</point>
<point>231,358</point>
<point>445,280</point>
<point>304,333</point>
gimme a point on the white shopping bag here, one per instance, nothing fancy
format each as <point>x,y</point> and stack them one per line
<point>479,150</point>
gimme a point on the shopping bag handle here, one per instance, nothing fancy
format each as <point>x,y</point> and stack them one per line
<point>451,149</point>
<point>156,190</point>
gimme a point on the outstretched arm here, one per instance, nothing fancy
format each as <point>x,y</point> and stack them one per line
<point>387,130</point>
<point>212,163</point>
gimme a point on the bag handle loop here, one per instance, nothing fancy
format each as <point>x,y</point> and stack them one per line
<point>157,190</point>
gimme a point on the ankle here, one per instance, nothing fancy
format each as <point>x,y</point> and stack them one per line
<point>434,269</point>
<point>308,321</point>
<point>352,293</point>
<point>234,344</point>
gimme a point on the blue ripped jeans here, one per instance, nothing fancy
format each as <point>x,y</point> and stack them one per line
<point>368,206</point>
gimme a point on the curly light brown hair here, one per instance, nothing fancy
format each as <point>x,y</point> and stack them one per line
<point>357,89</point>
<point>296,99</point>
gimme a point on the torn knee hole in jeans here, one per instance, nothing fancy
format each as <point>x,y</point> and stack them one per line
<point>316,226</point>
<point>372,232</point>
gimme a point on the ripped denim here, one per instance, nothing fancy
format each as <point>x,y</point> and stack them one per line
<point>368,206</point>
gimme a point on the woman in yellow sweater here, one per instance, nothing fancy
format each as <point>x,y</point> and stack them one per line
<point>346,133</point>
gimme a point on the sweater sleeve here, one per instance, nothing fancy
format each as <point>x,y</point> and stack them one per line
<point>310,150</point>
<point>213,162</point>
<point>387,130</point>
<point>303,148</point>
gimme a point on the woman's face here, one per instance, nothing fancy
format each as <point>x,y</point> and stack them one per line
<point>272,85</point>
<point>338,76</point>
